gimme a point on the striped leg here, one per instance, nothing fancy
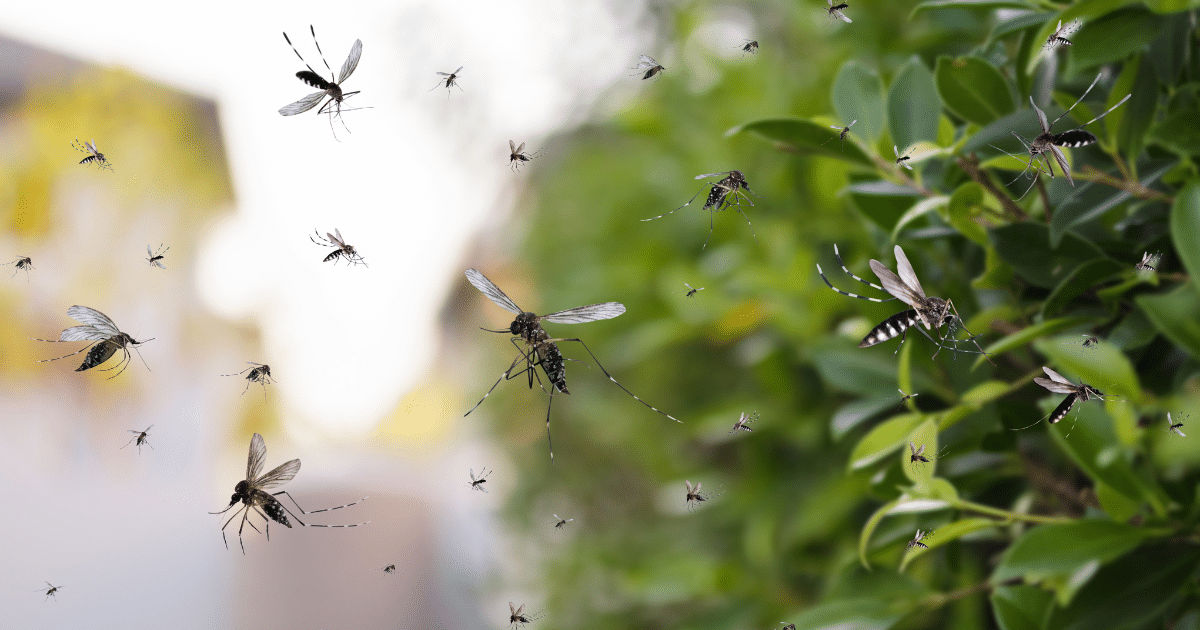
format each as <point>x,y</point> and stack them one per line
<point>302,511</point>
<point>610,377</point>
<point>861,297</point>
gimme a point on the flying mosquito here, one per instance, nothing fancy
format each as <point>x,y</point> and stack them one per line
<point>541,349</point>
<point>252,493</point>
<point>750,47</point>
<point>835,11</point>
<point>517,616</point>
<point>841,136</point>
<point>1174,427</point>
<point>917,455</point>
<point>105,337</point>
<point>1059,36</point>
<point>691,290</point>
<point>518,156</point>
<point>23,263</point>
<point>260,373</point>
<point>902,160</point>
<point>477,482</point>
<point>391,568</point>
<point>1149,261</point>
<point>931,312</point>
<point>561,522</point>
<point>743,420</point>
<point>905,398</point>
<point>50,591</point>
<point>694,496</point>
<point>722,194</point>
<point>94,155</point>
<point>1088,341</point>
<point>647,63</point>
<point>155,258</point>
<point>1075,393</point>
<point>330,88</point>
<point>140,437</point>
<point>789,626</point>
<point>451,80</point>
<point>340,248</point>
<point>1049,143</point>
<point>916,541</point>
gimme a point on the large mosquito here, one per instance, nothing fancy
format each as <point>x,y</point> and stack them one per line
<point>94,154</point>
<point>649,65</point>
<point>332,89</point>
<point>1174,427</point>
<point>140,437</point>
<point>252,493</point>
<point>1075,393</point>
<point>1059,36</point>
<point>105,337</point>
<point>835,11</point>
<point>50,590</point>
<point>541,349</point>
<point>518,156</point>
<point>155,258</point>
<point>340,248</point>
<point>931,312</point>
<point>477,482</point>
<point>24,263</point>
<point>260,373</point>
<point>841,136</point>
<point>451,80</point>
<point>723,193</point>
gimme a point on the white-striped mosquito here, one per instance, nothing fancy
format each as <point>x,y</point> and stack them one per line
<point>517,616</point>
<point>561,522</point>
<point>835,11</point>
<point>24,263</point>
<point>391,568</point>
<point>1059,36</point>
<point>105,337</point>
<point>518,156</point>
<point>902,160</point>
<point>260,373</point>
<point>916,541</point>
<point>1174,427</point>
<point>691,290</point>
<point>931,312</point>
<point>723,193</point>
<point>541,349</point>
<point>50,590</point>
<point>743,420</point>
<point>340,248</point>
<point>1149,261</point>
<point>647,64</point>
<point>477,482</point>
<point>331,88</point>
<point>155,258</point>
<point>94,155</point>
<point>140,437</point>
<point>252,493</point>
<point>1058,384</point>
<point>751,47</point>
<point>841,136</point>
<point>694,497</point>
<point>451,80</point>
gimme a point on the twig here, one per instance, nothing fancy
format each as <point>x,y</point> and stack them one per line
<point>1133,187</point>
<point>970,165</point>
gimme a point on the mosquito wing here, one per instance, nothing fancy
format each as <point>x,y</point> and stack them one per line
<point>338,238</point>
<point>646,61</point>
<point>906,272</point>
<point>492,291</point>
<point>916,451</point>
<point>893,284</point>
<point>1062,163</point>
<point>302,105</point>
<point>852,123</point>
<point>520,148</point>
<point>689,485</point>
<point>282,474</point>
<point>1041,116</point>
<point>723,173</point>
<point>351,61</point>
<point>512,148</point>
<point>1057,377</point>
<point>590,313</point>
<point>93,318</point>
<point>258,454</point>
<point>92,146</point>
<point>842,16</point>
<point>1054,386</point>
<point>159,264</point>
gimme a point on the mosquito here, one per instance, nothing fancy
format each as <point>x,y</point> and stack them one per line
<point>1088,341</point>
<point>391,568</point>
<point>905,398</point>
<point>789,626</point>
<point>1075,393</point>
<point>451,80</point>
<point>931,312</point>
<point>916,541</point>
<point>541,349</point>
<point>694,496</point>
<point>477,482</point>
<point>835,11</point>
<point>260,373</point>
<point>691,290</point>
<point>722,194</point>
<point>902,160</point>
<point>155,258</point>
<point>51,590</point>
<point>94,155</point>
<point>24,263</point>
<point>252,493</point>
<point>917,454</point>
<point>841,136</point>
<point>332,89</point>
<point>1149,261</point>
<point>105,337</point>
<point>1174,427</point>
<point>750,47</point>
<point>561,522</point>
<point>340,248</point>
<point>647,63</point>
<point>140,437</point>
<point>1059,36</point>
<point>517,155</point>
<point>743,420</point>
<point>517,616</point>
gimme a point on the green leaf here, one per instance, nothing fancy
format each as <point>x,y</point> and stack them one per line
<point>973,89</point>
<point>919,209</point>
<point>1129,123</point>
<point>1179,132</point>
<point>966,212</point>
<point>1172,6</point>
<point>1020,607</point>
<point>913,105</point>
<point>984,393</point>
<point>1113,37</point>
<point>921,473</point>
<point>946,534</point>
<point>1168,51</point>
<point>1102,365</point>
<point>1031,333</point>
<point>1176,315</point>
<point>865,613</point>
<point>856,412</point>
<point>864,537</point>
<point>1185,228</point>
<point>883,440</point>
<point>930,5</point>
<point>1025,246</point>
<point>858,95</point>
<point>1091,200</point>
<point>805,136</point>
<point>1079,281</point>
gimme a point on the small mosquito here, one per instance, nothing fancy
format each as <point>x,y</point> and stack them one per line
<point>1088,341</point>
<point>691,290</point>
<point>905,397</point>
<point>94,155</point>
<point>477,482</point>
<point>1174,427</point>
<point>340,248</point>
<point>155,258</point>
<point>451,80</point>
<point>647,63</point>
<point>517,616</point>
<point>1149,261</point>
<point>743,420</point>
<point>51,590</point>
<point>332,89</point>
<point>140,437</point>
<point>931,312</point>
<point>789,626</point>
<point>916,541</point>
<point>1075,393</point>
<point>841,136</point>
<point>835,11</point>
<point>24,263</point>
<point>750,47</point>
<point>1059,36</point>
<point>518,156</point>
<point>561,522</point>
<point>252,493</point>
<point>694,496</point>
<point>260,373</point>
<point>541,349</point>
<point>722,194</point>
<point>917,455</point>
<point>902,160</point>
<point>105,337</point>
<point>391,568</point>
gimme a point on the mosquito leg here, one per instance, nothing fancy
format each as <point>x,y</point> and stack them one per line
<point>65,355</point>
<point>679,208</point>
<point>549,441</point>
<point>505,376</point>
<point>610,377</point>
<point>303,511</point>
<point>710,230</point>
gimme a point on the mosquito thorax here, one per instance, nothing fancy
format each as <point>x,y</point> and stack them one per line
<point>524,325</point>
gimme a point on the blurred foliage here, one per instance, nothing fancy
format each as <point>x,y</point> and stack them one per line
<point>1087,523</point>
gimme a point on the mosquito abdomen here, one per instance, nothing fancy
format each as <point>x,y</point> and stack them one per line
<point>891,328</point>
<point>313,79</point>
<point>98,354</point>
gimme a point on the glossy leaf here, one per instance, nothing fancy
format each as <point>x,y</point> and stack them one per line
<point>1031,333</point>
<point>1185,229</point>
<point>930,5</point>
<point>858,95</point>
<point>1081,279</point>
<point>883,440</point>
<point>946,534</point>
<point>973,89</point>
<point>1176,315</point>
<point>1114,36</point>
<point>913,105</point>
<point>1179,132</point>
<point>1129,123</point>
<point>864,613</point>
<point>804,136</point>
<point>1026,246</point>
<point>1020,607</point>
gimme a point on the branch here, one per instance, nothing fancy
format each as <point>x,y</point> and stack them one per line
<point>1133,187</point>
<point>970,165</point>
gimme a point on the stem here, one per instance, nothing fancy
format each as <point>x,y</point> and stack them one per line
<point>970,165</point>
<point>937,600</point>
<point>971,506</point>
<point>1133,187</point>
<point>885,166</point>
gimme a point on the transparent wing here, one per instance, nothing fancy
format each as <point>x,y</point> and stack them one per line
<point>302,105</point>
<point>1056,376</point>
<point>646,61</point>
<point>149,252</point>
<point>689,485</point>
<point>258,454</point>
<point>896,150</point>
<point>1041,116</point>
<point>520,148</point>
<point>282,474</point>
<point>1057,388</point>
<point>337,239</point>
<point>590,313</point>
<point>159,264</point>
<point>445,74</point>
<point>512,147</point>
<point>835,127</point>
<point>492,291</point>
<point>1057,31</point>
<point>852,123</point>
<point>351,61</point>
<point>892,283</point>
<point>721,174</point>
<point>92,146</point>
<point>93,318</point>
<point>906,272</point>
<point>83,333</point>
<point>842,16</point>
<point>1062,163</point>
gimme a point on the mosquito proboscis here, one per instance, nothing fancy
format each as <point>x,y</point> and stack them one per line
<point>451,80</point>
<point>1058,384</point>
<point>517,155</point>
